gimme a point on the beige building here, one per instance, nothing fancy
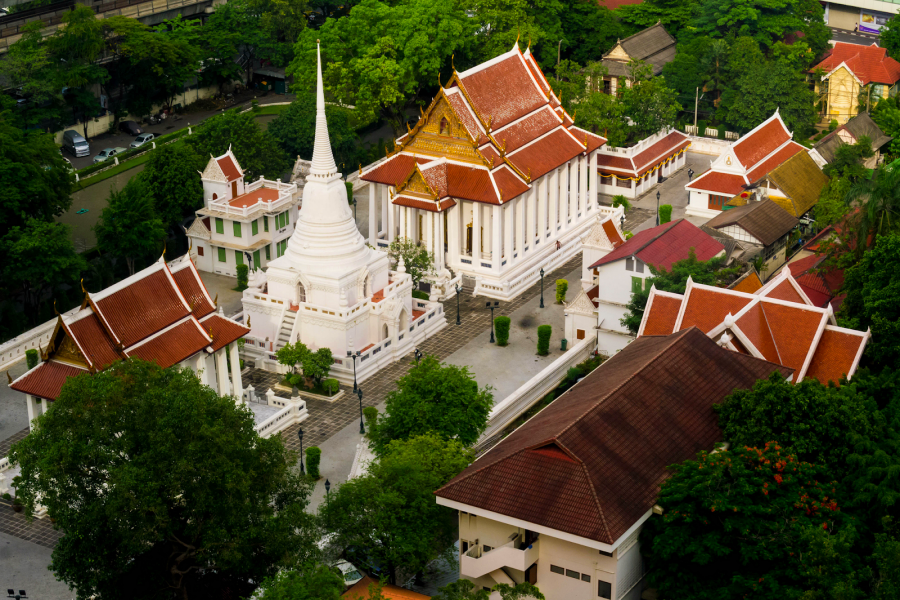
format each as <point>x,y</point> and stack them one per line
<point>854,76</point>
<point>561,501</point>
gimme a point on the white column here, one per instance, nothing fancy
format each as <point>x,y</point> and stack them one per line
<point>509,213</point>
<point>574,204</point>
<point>235,372</point>
<point>439,230</point>
<point>594,182</point>
<point>553,200</point>
<point>582,185</point>
<point>476,234</point>
<point>403,219</point>
<point>521,227</point>
<point>384,211</point>
<point>543,207</point>
<point>565,204</point>
<point>497,237</point>
<point>34,409</point>
<point>429,235</point>
<point>531,205</point>
<point>392,222</point>
<point>200,367</point>
<point>414,224</point>
<point>453,233</point>
<point>373,215</point>
<point>222,371</point>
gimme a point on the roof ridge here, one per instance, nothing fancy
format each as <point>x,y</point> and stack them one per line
<point>594,495</point>
<point>769,327</point>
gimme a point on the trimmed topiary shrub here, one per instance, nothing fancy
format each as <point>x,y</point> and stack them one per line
<point>721,131</point>
<point>501,326</point>
<point>349,185</point>
<point>32,358</point>
<point>331,386</point>
<point>370,414</point>
<point>665,213</point>
<point>242,272</point>
<point>543,344</point>
<point>622,201</point>
<point>313,457</point>
<point>832,125</point>
<point>420,294</point>
<point>701,127</point>
<point>562,286</point>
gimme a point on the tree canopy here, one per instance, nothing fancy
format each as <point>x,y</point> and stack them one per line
<point>170,176</point>
<point>433,398</point>
<point>295,131</point>
<point>162,488</point>
<point>256,150</point>
<point>310,582</point>
<point>129,226</point>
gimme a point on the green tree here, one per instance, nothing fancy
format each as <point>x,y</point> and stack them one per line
<point>832,206</point>
<point>38,258</point>
<point>29,67</point>
<point>311,582</point>
<point>295,131</point>
<point>434,398</point>
<point>417,260</point>
<point>604,115</point>
<point>393,63</point>
<point>886,113</point>
<point>649,104</point>
<point>589,29</point>
<point>873,301</point>
<point>314,365</point>
<point>391,511</point>
<point>849,158</point>
<point>129,226</point>
<point>463,589</point>
<point>708,272</point>
<point>171,177</point>
<point>889,37</point>
<point>675,16</point>
<point>502,22</point>
<point>256,150</point>
<point>740,523</point>
<point>879,202</point>
<point>34,178</point>
<point>162,488</point>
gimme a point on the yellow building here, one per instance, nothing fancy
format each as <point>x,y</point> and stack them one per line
<point>854,76</point>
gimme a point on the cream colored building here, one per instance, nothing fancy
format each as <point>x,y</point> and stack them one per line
<point>854,76</point>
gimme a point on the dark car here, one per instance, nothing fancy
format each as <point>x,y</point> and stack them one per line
<point>362,558</point>
<point>130,127</point>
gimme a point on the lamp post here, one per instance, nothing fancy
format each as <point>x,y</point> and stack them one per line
<point>350,354</point>
<point>542,288</point>
<point>418,355</point>
<point>362,428</point>
<point>690,174</point>
<point>657,207</point>
<point>327,490</point>
<point>458,290</point>
<point>12,594</point>
<point>300,435</point>
<point>491,306</point>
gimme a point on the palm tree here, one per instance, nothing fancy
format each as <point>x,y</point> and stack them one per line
<point>879,206</point>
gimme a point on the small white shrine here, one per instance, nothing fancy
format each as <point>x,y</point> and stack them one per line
<point>329,288</point>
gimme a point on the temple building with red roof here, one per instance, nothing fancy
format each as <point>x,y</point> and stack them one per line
<point>779,323</point>
<point>745,163</point>
<point>613,269</point>
<point>162,314</point>
<point>240,222</point>
<point>493,179</point>
<point>562,500</point>
<point>853,72</point>
<point>634,170</point>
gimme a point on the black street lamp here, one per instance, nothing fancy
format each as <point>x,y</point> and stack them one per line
<point>490,306</point>
<point>458,290</point>
<point>690,174</point>
<point>300,435</point>
<point>542,288</point>
<point>418,355</point>
<point>354,357</point>
<point>12,594</point>
<point>657,207</point>
<point>362,429</point>
<point>327,489</point>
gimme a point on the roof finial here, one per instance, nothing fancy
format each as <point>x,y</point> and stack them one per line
<point>82,286</point>
<point>440,85</point>
<point>8,378</point>
<point>322,159</point>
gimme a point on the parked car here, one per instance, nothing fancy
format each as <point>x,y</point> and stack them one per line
<point>371,565</point>
<point>130,127</point>
<point>107,153</point>
<point>75,144</point>
<point>350,573</point>
<point>142,139</point>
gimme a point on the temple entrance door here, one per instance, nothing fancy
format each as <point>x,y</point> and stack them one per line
<point>469,239</point>
<point>234,189</point>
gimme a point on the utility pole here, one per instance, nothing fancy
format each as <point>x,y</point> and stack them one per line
<point>558,48</point>
<point>696,102</point>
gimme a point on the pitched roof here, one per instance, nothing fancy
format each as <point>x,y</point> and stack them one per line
<point>801,179</point>
<point>360,591</point>
<point>859,126</point>
<point>764,220</point>
<point>653,45</point>
<point>727,184</point>
<point>747,283</point>
<point>592,462</point>
<point>229,166</point>
<point>648,158</point>
<point>46,379</point>
<point>870,64</point>
<point>665,244</point>
<point>761,142</point>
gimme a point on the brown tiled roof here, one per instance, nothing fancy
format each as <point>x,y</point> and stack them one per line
<point>594,141</point>
<point>229,168</point>
<point>46,380</point>
<point>661,150</point>
<point>612,234</point>
<point>423,204</point>
<point>509,184</point>
<point>188,280</point>
<point>395,169</point>
<point>764,220</point>
<point>533,126</point>
<point>835,353</point>
<point>706,308</point>
<point>263,194</point>
<point>717,182</point>
<point>860,125</point>
<point>223,331</point>
<point>653,45</point>
<point>97,346</point>
<point>360,591</point>
<point>748,283</point>
<point>662,314</point>
<point>461,108</point>
<point>757,145</point>
<point>504,91</point>
<point>783,290</point>
<point>773,161</point>
<point>173,345</point>
<point>546,154</point>
<point>591,463</point>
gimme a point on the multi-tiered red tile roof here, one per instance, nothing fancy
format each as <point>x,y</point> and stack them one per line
<point>870,64</point>
<point>162,314</point>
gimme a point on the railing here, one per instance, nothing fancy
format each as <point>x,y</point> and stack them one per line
<point>285,198</point>
<point>292,411</point>
<point>12,351</point>
<point>477,563</point>
<point>638,147</point>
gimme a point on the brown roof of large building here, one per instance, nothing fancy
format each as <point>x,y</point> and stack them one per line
<point>653,45</point>
<point>46,379</point>
<point>764,220</point>
<point>591,463</point>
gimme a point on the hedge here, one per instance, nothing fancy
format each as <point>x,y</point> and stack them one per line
<point>543,344</point>
<point>420,294</point>
<point>721,131</point>
<point>701,127</point>
<point>501,326</point>
<point>665,213</point>
<point>32,358</point>
<point>562,286</point>
<point>370,414</point>
<point>313,457</point>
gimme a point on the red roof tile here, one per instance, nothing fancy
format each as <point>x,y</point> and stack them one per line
<point>834,355</point>
<point>748,284</point>
<point>775,160</point>
<point>784,291</point>
<point>753,324</point>
<point>617,163</point>
<point>173,345</point>
<point>229,168</point>
<point>46,380</point>
<point>461,108</point>
<point>503,91</point>
<point>531,127</point>
<point>665,244</point>
<point>707,308</point>
<point>661,150</point>
<point>869,63</point>
<point>142,308</point>
<point>548,153</point>
<point>755,146</point>
<point>662,314</point>
<point>223,331</point>
<point>96,345</point>
<point>594,141</point>
<point>612,234</point>
<point>395,169</point>
<point>421,203</point>
<point>263,194</point>
<point>509,184</point>
<point>718,183</point>
<point>592,462</point>
<point>192,288</point>
<point>793,329</point>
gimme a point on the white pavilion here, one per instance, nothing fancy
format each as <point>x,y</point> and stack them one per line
<point>330,289</point>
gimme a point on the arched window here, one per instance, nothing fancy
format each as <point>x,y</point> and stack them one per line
<point>301,293</point>
<point>445,126</point>
<point>215,196</point>
<point>404,320</point>
<point>384,332</point>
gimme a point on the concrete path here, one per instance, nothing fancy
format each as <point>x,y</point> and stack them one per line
<point>24,567</point>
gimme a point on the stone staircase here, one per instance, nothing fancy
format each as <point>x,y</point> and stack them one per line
<point>287,326</point>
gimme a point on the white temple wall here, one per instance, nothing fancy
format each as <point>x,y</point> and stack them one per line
<point>203,261</point>
<point>220,189</point>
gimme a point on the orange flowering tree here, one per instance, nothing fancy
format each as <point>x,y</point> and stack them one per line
<point>743,523</point>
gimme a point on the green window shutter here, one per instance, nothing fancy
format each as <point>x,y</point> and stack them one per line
<point>220,225</point>
<point>256,259</point>
<point>222,256</point>
<point>648,284</point>
<point>265,223</point>
<point>238,257</point>
<point>237,229</point>
<point>254,227</point>
<point>636,285</point>
<point>268,253</point>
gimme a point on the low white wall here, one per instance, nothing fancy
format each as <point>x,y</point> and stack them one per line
<point>13,351</point>
<point>711,146</point>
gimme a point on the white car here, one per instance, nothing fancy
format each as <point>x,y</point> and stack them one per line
<point>142,139</point>
<point>350,573</point>
<point>107,153</point>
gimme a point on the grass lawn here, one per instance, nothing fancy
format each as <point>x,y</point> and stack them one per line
<point>271,110</point>
<point>123,166</point>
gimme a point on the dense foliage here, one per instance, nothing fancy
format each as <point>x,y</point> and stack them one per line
<point>130,226</point>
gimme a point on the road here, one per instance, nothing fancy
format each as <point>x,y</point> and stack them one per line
<point>853,37</point>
